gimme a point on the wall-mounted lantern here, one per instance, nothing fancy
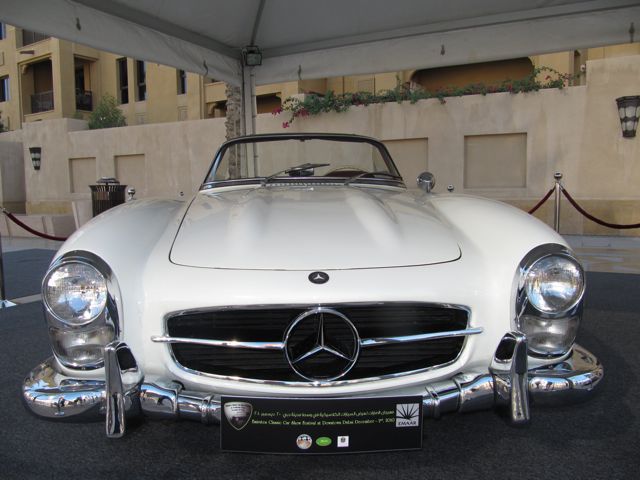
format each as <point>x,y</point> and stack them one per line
<point>36,157</point>
<point>629,111</point>
<point>252,56</point>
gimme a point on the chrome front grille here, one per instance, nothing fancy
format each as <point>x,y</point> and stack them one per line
<point>254,343</point>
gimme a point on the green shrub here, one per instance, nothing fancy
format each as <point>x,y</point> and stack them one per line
<point>2,127</point>
<point>107,114</point>
<point>314,104</point>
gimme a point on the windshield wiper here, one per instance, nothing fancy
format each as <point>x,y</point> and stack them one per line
<point>366,174</point>
<point>297,168</point>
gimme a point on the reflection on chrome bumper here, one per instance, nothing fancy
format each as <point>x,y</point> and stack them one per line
<point>508,384</point>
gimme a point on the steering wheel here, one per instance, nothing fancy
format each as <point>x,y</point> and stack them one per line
<point>349,168</point>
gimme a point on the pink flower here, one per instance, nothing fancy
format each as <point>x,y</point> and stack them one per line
<point>277,111</point>
<point>286,124</point>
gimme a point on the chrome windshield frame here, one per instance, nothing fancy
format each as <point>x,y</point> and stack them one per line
<point>272,137</point>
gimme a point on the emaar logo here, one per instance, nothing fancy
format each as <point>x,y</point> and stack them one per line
<point>407,415</point>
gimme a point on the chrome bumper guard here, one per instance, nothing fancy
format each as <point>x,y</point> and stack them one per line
<point>508,385</point>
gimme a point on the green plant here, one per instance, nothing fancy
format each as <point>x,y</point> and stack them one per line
<point>314,104</point>
<point>107,114</point>
<point>2,127</point>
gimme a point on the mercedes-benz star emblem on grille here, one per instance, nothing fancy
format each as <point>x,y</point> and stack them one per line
<point>321,345</point>
<point>318,277</point>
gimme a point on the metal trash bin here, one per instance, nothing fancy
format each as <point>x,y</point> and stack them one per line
<point>105,194</point>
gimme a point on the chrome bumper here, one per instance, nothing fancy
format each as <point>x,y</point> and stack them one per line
<point>509,384</point>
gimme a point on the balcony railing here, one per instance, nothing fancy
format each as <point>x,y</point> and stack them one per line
<point>42,102</point>
<point>84,100</point>
<point>29,37</point>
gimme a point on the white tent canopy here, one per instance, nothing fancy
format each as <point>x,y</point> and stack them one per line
<point>308,39</point>
<point>314,39</point>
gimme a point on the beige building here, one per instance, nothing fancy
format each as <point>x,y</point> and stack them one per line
<point>43,78</point>
<point>501,145</point>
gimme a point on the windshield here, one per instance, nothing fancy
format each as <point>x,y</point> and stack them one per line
<point>276,159</point>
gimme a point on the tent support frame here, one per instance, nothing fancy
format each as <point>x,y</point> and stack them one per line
<point>249,105</point>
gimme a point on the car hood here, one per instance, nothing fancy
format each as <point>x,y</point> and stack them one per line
<point>311,228</point>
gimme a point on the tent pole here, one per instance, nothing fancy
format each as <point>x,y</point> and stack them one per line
<point>249,116</point>
<point>248,101</point>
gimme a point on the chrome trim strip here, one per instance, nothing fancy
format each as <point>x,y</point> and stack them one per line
<point>365,342</point>
<point>302,384</point>
<point>375,342</point>
<point>268,137</point>
<point>305,306</point>
<point>219,343</point>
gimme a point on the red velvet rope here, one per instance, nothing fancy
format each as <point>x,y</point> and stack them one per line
<point>544,199</point>
<point>536,207</point>
<point>594,219</point>
<point>31,230</point>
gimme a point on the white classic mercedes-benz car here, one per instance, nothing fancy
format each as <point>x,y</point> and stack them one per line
<point>305,268</point>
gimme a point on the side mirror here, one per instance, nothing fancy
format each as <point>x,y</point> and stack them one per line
<point>426,181</point>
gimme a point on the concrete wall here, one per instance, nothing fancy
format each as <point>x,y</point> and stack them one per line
<point>158,160</point>
<point>12,191</point>
<point>575,131</point>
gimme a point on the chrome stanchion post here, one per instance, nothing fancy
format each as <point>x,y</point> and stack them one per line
<point>4,303</point>
<point>2,292</point>
<point>558,191</point>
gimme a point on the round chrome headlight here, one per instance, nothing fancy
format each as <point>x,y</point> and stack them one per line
<point>554,284</point>
<point>75,293</point>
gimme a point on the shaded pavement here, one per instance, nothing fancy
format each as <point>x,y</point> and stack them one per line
<point>597,439</point>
